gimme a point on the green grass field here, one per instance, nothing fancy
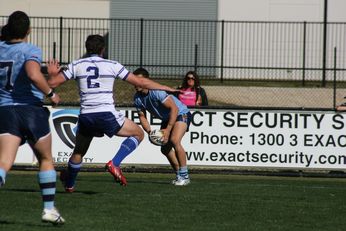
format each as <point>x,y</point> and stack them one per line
<point>149,202</point>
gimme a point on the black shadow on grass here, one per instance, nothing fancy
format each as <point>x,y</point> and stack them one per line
<point>9,225</point>
<point>93,180</point>
<point>111,181</point>
<point>86,192</point>
<point>3,222</point>
<point>150,182</point>
<point>78,192</point>
<point>21,190</point>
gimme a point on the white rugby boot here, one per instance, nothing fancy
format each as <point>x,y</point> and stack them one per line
<point>52,216</point>
<point>182,181</point>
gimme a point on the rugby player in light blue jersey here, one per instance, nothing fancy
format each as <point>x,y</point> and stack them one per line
<point>95,78</point>
<point>175,117</point>
<point>23,117</point>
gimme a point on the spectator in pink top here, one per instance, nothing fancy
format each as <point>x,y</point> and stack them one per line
<point>192,94</point>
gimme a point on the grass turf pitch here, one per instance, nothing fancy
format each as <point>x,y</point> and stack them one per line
<point>150,202</point>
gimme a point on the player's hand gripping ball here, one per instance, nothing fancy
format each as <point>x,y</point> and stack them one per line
<point>156,137</point>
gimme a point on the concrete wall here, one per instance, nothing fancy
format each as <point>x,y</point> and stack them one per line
<point>54,8</point>
<point>263,10</point>
<point>281,10</point>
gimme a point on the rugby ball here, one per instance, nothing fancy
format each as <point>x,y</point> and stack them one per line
<point>156,137</point>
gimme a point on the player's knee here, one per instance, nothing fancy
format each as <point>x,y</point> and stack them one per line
<point>45,158</point>
<point>175,141</point>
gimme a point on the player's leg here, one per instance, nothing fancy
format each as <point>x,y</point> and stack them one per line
<point>35,124</point>
<point>177,134</point>
<point>47,179</point>
<point>171,156</point>
<point>134,136</point>
<point>86,130</point>
<point>40,140</point>
<point>69,176</point>
<point>8,149</point>
<point>47,174</point>
<point>172,159</point>
<point>181,126</point>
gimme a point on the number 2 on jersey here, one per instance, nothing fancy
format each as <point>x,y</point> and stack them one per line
<point>94,75</point>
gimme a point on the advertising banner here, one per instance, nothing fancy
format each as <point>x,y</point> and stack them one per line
<point>276,139</point>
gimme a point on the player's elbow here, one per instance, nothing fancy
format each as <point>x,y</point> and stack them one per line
<point>55,81</point>
<point>143,83</point>
<point>174,110</point>
<point>52,83</point>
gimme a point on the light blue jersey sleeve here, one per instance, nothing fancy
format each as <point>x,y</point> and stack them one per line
<point>16,88</point>
<point>153,102</point>
<point>34,53</point>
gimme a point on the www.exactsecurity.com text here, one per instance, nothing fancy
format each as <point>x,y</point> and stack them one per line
<point>296,158</point>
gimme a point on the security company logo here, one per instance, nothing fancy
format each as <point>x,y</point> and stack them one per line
<point>65,124</point>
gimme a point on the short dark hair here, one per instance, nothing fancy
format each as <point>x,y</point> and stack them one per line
<point>141,71</point>
<point>4,33</point>
<point>18,25</point>
<point>95,44</point>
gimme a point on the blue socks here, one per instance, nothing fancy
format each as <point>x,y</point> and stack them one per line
<point>127,146</point>
<point>183,172</point>
<point>72,171</point>
<point>47,181</point>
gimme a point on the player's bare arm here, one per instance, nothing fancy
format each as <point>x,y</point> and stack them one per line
<point>148,83</point>
<point>33,69</point>
<point>144,122</point>
<point>169,103</point>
